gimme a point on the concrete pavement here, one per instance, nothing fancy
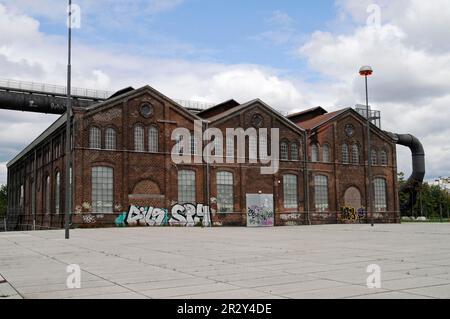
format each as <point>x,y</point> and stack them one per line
<point>327,261</point>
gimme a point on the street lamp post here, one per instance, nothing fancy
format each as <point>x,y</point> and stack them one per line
<point>68,184</point>
<point>367,71</point>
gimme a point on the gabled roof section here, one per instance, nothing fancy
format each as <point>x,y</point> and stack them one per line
<point>314,122</point>
<point>326,118</point>
<point>256,102</point>
<point>61,121</point>
<point>307,114</point>
<point>133,93</point>
<point>217,109</point>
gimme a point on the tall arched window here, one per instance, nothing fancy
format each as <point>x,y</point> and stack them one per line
<point>383,158</point>
<point>326,153</point>
<point>153,139</point>
<point>47,195</point>
<point>139,138</point>
<point>102,189</point>
<point>374,157</point>
<point>345,154</point>
<point>57,192</point>
<point>95,138</point>
<point>225,197</point>
<point>321,193</point>
<point>294,152</point>
<point>284,151</point>
<point>186,187</point>
<point>380,194</point>
<point>290,191</point>
<point>314,153</point>
<point>355,154</point>
<point>110,139</point>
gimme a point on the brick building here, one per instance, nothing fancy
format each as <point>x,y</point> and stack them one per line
<point>122,161</point>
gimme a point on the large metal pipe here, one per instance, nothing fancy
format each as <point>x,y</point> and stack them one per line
<point>415,180</point>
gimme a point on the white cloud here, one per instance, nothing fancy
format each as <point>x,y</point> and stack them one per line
<point>409,84</point>
<point>3,173</point>
<point>411,71</point>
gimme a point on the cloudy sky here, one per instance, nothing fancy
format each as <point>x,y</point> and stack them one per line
<point>292,54</point>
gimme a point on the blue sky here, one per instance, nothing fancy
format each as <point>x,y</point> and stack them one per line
<point>291,54</point>
<point>230,32</point>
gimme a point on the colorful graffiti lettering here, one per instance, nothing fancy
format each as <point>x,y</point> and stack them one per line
<point>351,214</point>
<point>89,219</point>
<point>180,215</point>
<point>260,215</point>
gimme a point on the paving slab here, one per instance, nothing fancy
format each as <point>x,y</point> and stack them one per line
<point>326,261</point>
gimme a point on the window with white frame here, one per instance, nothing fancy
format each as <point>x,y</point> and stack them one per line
<point>186,187</point>
<point>252,148</point>
<point>95,138</point>
<point>263,147</point>
<point>374,157</point>
<point>193,144</point>
<point>345,154</point>
<point>326,153</point>
<point>218,146</point>
<point>230,146</point>
<point>321,193</point>
<point>294,152</point>
<point>314,153</point>
<point>290,191</point>
<point>284,152</point>
<point>153,139</point>
<point>102,189</point>
<point>225,197</point>
<point>383,158</point>
<point>110,139</point>
<point>355,154</point>
<point>380,194</point>
<point>139,138</point>
<point>57,192</point>
<point>47,195</point>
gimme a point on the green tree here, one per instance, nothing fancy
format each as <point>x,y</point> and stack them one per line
<point>3,200</point>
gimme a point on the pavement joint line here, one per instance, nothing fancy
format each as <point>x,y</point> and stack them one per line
<point>64,263</point>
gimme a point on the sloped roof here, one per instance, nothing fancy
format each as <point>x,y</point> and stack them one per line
<point>237,109</point>
<point>321,119</point>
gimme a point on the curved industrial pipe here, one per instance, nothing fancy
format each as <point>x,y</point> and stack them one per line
<point>418,164</point>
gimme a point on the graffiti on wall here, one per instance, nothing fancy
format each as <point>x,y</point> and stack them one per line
<point>351,214</point>
<point>260,210</point>
<point>188,215</point>
<point>89,219</point>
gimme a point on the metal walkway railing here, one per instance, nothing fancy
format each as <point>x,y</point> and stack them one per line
<point>81,92</point>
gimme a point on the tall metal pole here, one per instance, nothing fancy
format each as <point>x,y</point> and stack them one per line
<point>68,186</point>
<point>369,158</point>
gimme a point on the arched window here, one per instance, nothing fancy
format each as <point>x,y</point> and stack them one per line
<point>153,139</point>
<point>383,158</point>
<point>345,154</point>
<point>326,153</point>
<point>57,192</point>
<point>380,194</point>
<point>95,138</point>
<point>102,189</point>
<point>284,151</point>
<point>290,191</point>
<point>314,153</point>
<point>225,197</point>
<point>252,148</point>
<point>47,195</point>
<point>186,187</point>
<point>110,139</point>
<point>374,157</point>
<point>321,193</point>
<point>294,152</point>
<point>355,154</point>
<point>139,138</point>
